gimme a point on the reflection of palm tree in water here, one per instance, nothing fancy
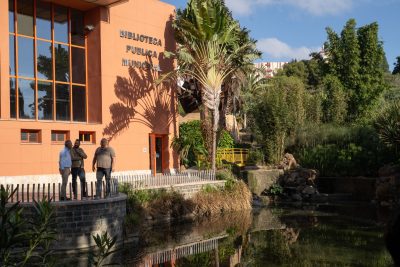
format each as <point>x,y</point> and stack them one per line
<point>140,101</point>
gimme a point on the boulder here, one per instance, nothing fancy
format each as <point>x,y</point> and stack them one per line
<point>288,162</point>
<point>389,170</point>
<point>261,179</point>
<point>309,190</point>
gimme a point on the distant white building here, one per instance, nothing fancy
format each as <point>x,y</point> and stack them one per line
<point>271,68</point>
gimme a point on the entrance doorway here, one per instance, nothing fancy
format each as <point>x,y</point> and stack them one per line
<point>158,147</point>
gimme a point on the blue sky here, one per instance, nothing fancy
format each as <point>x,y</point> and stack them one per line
<point>287,29</point>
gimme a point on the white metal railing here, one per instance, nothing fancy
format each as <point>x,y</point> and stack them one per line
<point>143,181</point>
<point>39,191</point>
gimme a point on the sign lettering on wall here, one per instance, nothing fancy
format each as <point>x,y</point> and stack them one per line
<point>145,52</point>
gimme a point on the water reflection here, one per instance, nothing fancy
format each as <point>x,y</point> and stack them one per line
<point>266,237</point>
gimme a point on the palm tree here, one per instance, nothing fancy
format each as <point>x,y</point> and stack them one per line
<point>211,49</point>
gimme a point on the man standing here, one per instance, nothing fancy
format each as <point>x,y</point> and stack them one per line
<point>65,164</point>
<point>105,159</point>
<point>78,156</point>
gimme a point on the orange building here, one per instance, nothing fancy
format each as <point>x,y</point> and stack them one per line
<point>85,69</point>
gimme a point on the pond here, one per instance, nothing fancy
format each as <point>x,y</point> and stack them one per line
<point>324,235</point>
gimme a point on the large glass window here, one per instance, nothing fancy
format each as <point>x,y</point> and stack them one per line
<point>44,60</point>
<point>25,57</point>
<point>78,65</point>
<point>61,24</point>
<point>25,17</point>
<point>13,99</point>
<point>12,54</point>
<point>62,102</point>
<point>11,15</point>
<point>45,100</point>
<point>26,99</point>
<point>77,26</point>
<point>43,20</point>
<point>61,53</point>
<point>79,103</point>
<point>47,61</point>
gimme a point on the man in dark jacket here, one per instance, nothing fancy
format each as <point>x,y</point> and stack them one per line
<point>77,157</point>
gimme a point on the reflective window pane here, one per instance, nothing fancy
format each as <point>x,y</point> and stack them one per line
<point>45,100</point>
<point>12,54</point>
<point>61,53</point>
<point>79,103</point>
<point>43,20</point>
<point>44,60</point>
<point>13,99</point>
<point>26,99</point>
<point>11,15</point>
<point>78,65</point>
<point>60,24</point>
<point>62,102</point>
<point>25,17</point>
<point>25,57</point>
<point>77,28</point>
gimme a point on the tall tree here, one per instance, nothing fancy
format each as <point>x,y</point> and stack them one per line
<point>211,49</point>
<point>356,58</point>
<point>396,69</point>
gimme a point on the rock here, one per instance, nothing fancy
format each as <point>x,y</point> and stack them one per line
<point>261,179</point>
<point>296,197</point>
<point>288,162</point>
<point>389,170</point>
<point>383,191</point>
<point>309,190</point>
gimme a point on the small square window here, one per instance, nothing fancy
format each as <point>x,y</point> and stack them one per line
<point>87,137</point>
<point>30,136</point>
<point>59,136</point>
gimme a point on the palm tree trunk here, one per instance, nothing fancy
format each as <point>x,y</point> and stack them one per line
<point>215,131</point>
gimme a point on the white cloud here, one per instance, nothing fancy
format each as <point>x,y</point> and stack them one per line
<point>274,48</point>
<point>315,7</point>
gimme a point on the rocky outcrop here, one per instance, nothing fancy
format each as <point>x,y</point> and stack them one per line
<point>261,179</point>
<point>388,186</point>
<point>288,162</point>
<point>299,184</point>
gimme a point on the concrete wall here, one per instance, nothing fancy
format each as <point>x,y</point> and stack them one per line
<point>77,221</point>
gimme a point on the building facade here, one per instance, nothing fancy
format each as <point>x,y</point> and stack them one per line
<point>271,68</point>
<point>85,70</point>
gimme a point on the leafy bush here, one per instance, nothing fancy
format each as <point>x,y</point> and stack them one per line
<point>190,144</point>
<point>226,140</point>
<point>275,190</point>
<point>35,235</point>
<point>388,125</point>
<point>340,150</point>
<point>255,157</point>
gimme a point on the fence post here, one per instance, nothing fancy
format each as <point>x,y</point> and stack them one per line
<point>12,190</point>
<point>22,192</point>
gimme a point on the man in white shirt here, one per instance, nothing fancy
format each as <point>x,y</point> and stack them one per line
<point>65,164</point>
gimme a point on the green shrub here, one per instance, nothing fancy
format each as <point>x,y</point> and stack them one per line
<point>190,144</point>
<point>255,157</point>
<point>226,140</point>
<point>275,190</point>
<point>340,150</point>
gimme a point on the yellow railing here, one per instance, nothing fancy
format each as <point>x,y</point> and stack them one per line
<point>236,156</point>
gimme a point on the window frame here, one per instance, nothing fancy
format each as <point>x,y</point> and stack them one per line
<point>92,137</point>
<point>28,132</point>
<point>65,133</point>
<point>16,76</point>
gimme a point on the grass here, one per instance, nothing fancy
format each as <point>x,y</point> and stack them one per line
<point>161,204</point>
